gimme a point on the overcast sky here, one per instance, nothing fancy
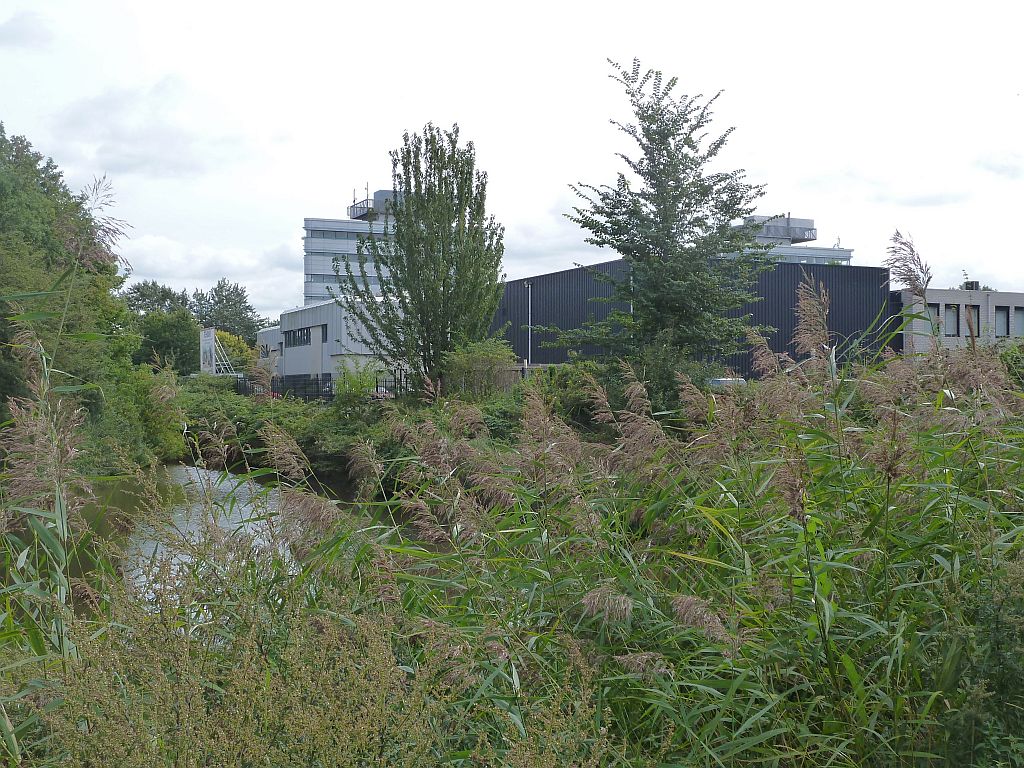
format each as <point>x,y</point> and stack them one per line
<point>223,125</point>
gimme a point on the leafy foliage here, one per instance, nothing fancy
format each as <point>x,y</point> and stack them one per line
<point>51,239</point>
<point>437,263</point>
<point>241,355</point>
<point>170,337</point>
<point>151,296</point>
<point>671,218</point>
<point>226,306</point>
<point>480,368</point>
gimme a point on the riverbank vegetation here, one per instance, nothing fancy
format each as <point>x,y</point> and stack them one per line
<point>602,565</point>
<point>819,569</point>
<point>114,350</point>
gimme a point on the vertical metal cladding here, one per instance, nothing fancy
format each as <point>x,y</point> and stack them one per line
<point>894,334</point>
<point>859,307</point>
<point>565,300</point>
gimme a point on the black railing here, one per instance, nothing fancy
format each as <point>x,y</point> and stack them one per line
<point>386,385</point>
<point>395,384</point>
<point>301,387</point>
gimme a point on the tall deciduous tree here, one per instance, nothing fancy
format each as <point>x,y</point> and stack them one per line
<point>672,217</point>
<point>438,262</point>
<point>170,338</point>
<point>226,306</point>
<point>151,296</point>
<point>58,265</point>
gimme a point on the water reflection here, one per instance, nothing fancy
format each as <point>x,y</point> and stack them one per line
<point>176,508</point>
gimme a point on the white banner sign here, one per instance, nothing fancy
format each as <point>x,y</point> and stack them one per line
<point>208,350</point>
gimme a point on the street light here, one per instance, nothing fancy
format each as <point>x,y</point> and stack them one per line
<point>529,322</point>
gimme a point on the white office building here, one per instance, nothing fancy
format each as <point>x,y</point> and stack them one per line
<point>327,240</point>
<point>313,340</point>
<point>950,315</point>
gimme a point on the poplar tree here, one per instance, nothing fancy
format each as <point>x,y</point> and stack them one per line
<point>671,217</point>
<point>437,261</point>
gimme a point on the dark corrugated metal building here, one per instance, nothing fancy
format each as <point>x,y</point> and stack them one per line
<point>564,300</point>
<point>859,304</point>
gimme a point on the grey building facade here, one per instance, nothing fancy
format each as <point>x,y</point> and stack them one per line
<point>314,340</point>
<point>951,316</point>
<point>328,240</point>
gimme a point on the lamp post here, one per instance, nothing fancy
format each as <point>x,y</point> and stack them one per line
<point>529,322</point>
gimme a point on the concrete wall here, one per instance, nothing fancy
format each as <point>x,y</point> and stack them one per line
<point>320,356</point>
<point>917,336</point>
<point>319,252</point>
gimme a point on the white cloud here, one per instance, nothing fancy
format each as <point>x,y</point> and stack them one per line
<point>25,29</point>
<point>272,277</point>
<point>139,131</point>
<point>1009,166</point>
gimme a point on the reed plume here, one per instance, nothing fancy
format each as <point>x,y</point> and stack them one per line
<point>906,267</point>
<point>695,612</point>
<point>609,603</point>
<point>811,338</point>
<point>284,453</point>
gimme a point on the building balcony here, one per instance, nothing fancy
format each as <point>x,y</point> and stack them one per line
<point>361,210</point>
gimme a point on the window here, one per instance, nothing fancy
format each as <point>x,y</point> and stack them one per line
<point>300,337</point>
<point>1018,321</point>
<point>333,279</point>
<point>951,320</point>
<point>331,234</point>
<point>324,329</point>
<point>933,314</point>
<point>973,320</point>
<point>1002,321</point>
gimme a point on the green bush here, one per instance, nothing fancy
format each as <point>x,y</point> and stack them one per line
<point>479,369</point>
<point>566,388</point>
<point>354,387</point>
<point>211,402</point>
<point>1012,357</point>
<point>503,413</point>
<point>135,421</point>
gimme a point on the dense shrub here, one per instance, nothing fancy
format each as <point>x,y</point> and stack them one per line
<point>1013,358</point>
<point>479,369</point>
<point>137,422</point>
<point>210,407</point>
<point>823,568</point>
<point>565,388</point>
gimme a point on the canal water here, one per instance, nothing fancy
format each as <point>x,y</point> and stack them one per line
<point>178,503</point>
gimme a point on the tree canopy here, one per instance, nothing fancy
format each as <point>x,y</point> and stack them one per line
<point>169,338</point>
<point>672,217</point>
<point>226,306</point>
<point>151,296</point>
<point>437,263</point>
<point>51,237</point>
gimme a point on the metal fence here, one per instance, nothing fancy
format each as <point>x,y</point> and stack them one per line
<point>302,387</point>
<point>386,386</point>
